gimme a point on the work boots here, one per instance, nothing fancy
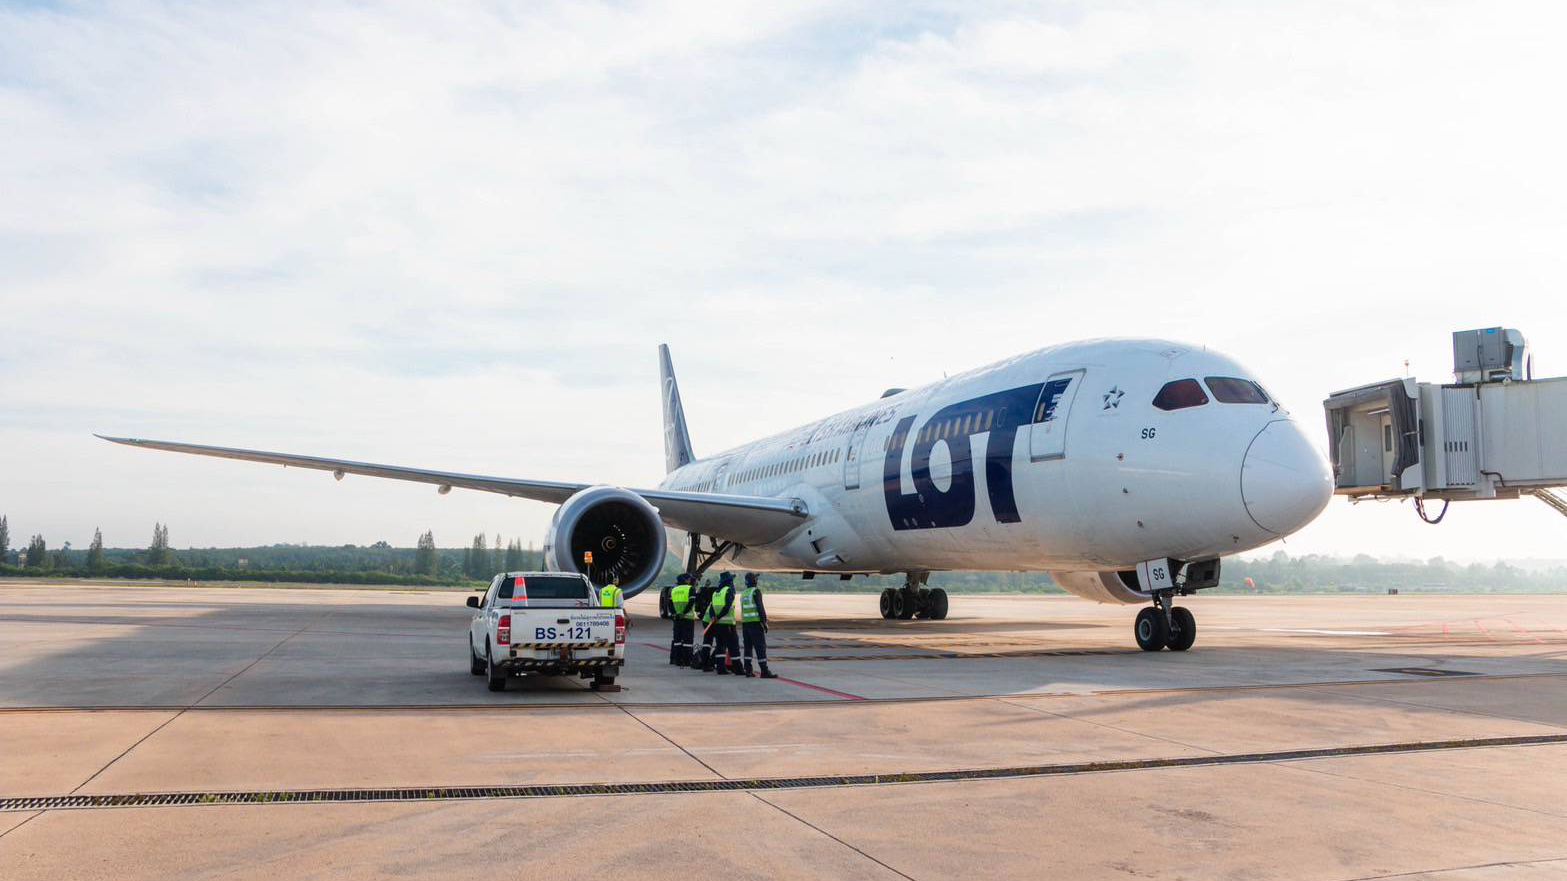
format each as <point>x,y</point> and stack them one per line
<point>706,664</point>
<point>722,663</point>
<point>766,673</point>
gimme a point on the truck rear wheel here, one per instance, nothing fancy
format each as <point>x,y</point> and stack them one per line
<point>475,663</point>
<point>602,680</point>
<point>497,676</point>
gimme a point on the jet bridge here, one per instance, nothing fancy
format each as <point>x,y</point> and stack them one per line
<point>1495,432</point>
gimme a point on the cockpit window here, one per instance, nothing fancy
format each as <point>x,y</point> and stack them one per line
<point>1180,394</point>
<point>1229,390</point>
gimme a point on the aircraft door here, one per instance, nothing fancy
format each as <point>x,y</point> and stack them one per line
<point>851,456</point>
<point>1047,436</point>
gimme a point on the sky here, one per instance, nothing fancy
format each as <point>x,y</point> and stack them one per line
<point>451,235</point>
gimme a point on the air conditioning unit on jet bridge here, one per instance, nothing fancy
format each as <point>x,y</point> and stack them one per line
<point>1493,433</point>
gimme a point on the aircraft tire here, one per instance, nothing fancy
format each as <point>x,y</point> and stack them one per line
<point>1150,630</point>
<point>905,603</point>
<point>887,609</point>
<point>497,677</point>
<point>936,605</point>
<point>1185,629</point>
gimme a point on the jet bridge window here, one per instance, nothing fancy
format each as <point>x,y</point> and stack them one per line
<point>1180,394</point>
<point>1229,390</point>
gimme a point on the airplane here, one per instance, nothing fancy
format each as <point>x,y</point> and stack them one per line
<point>1125,468</point>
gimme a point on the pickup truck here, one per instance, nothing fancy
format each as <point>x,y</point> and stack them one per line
<point>548,624</point>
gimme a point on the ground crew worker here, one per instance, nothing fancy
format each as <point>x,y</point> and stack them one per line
<point>611,596</point>
<point>683,608</point>
<point>704,609</point>
<point>726,643</point>
<point>753,623</point>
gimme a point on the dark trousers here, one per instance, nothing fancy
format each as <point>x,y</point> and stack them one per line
<point>726,641</point>
<point>755,640</point>
<point>709,634</point>
<point>680,644</point>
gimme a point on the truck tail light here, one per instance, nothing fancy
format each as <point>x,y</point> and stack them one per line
<point>503,630</point>
<point>620,629</point>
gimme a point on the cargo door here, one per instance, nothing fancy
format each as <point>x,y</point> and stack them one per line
<point>1047,436</point>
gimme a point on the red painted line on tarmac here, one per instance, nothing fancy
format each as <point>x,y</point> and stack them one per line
<point>843,694</point>
<point>1514,626</point>
<point>654,645</point>
<point>1444,629</point>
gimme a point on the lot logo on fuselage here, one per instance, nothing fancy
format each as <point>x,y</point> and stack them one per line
<point>999,415</point>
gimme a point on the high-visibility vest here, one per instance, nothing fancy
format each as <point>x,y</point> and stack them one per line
<point>680,598</point>
<point>609,595</point>
<point>720,597</point>
<point>749,613</point>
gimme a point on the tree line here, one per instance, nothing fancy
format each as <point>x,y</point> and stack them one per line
<point>425,563</point>
<point>378,563</point>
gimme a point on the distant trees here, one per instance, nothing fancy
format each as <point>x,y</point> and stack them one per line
<point>476,562</point>
<point>159,553</point>
<point>37,556</point>
<point>424,557</point>
<point>95,552</point>
<point>5,539</point>
<point>513,556</point>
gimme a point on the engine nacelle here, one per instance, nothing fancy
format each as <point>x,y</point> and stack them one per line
<point>619,528</point>
<point>1101,587</point>
<point>1123,587</point>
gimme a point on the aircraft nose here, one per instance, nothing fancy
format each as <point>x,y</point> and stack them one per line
<point>1285,482</point>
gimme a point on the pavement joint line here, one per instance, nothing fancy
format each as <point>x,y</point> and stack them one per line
<point>215,689</point>
<point>1006,696</point>
<point>1437,792</point>
<point>80,801</point>
<point>1107,725</point>
<point>1388,700</point>
<point>809,825</point>
<point>1458,869</point>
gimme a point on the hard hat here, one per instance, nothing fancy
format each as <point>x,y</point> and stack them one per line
<point>726,579</point>
<point>683,578</point>
<point>750,579</point>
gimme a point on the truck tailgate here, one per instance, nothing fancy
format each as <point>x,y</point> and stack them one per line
<point>547,631</point>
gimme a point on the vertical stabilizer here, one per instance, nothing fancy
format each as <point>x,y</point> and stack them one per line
<point>677,441</point>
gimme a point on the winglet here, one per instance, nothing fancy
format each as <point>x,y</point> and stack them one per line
<point>677,440</point>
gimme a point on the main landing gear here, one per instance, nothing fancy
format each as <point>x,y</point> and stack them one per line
<point>914,600</point>
<point>1165,625</point>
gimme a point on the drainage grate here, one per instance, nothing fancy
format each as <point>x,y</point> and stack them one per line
<point>449,793</point>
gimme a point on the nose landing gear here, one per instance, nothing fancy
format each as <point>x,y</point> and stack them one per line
<point>1165,625</point>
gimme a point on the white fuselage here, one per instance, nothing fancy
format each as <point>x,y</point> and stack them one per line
<point>1056,460</point>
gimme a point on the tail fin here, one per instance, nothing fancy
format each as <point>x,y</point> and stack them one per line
<point>677,440</point>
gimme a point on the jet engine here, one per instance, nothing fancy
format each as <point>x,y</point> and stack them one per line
<point>617,529</point>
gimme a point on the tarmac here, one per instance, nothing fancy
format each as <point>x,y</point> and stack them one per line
<point>163,731</point>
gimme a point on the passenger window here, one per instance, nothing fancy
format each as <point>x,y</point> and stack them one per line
<point>1230,390</point>
<point>1180,394</point>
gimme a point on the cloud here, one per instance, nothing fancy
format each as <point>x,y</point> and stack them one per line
<point>451,234</point>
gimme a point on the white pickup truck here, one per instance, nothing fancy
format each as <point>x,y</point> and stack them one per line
<point>545,623</point>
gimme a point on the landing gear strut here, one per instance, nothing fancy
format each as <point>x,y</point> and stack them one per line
<point>700,560</point>
<point>914,600</point>
<point>1165,625</point>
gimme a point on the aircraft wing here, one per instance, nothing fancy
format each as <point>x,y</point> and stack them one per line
<point>746,520</point>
